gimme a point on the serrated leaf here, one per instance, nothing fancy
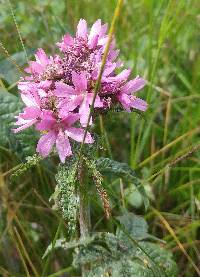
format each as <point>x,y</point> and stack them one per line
<point>108,254</point>
<point>161,257</point>
<point>125,259</point>
<point>112,255</point>
<point>111,168</point>
<point>136,226</point>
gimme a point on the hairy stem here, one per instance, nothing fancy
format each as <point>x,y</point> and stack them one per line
<point>84,221</point>
<point>83,214</point>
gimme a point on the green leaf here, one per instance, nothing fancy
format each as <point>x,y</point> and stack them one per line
<point>105,253</point>
<point>118,257</point>
<point>8,70</point>
<point>135,225</point>
<point>9,107</point>
<point>112,168</point>
<point>161,257</point>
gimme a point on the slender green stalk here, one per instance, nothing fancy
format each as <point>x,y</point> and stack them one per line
<point>18,31</point>
<point>83,208</point>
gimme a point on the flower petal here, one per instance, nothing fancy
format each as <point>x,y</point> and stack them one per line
<point>45,84</point>
<point>113,55</point>
<point>25,86</point>
<point>41,57</point>
<point>66,41</point>
<point>63,146</point>
<point>138,103</point>
<point>28,100</point>
<point>24,125</point>
<point>62,89</point>
<point>130,101</point>
<point>96,28</point>
<point>93,41</point>
<point>82,29</point>
<point>97,103</point>
<point>104,28</point>
<point>34,68</point>
<point>65,107</point>
<point>95,33</point>
<point>109,69</point>
<point>47,122</point>
<point>84,112</point>
<point>45,125</point>
<point>121,77</point>
<point>42,93</point>
<point>79,81</point>
<point>71,118</point>
<point>46,143</point>
<point>133,85</point>
<point>124,99</point>
<point>78,134</point>
<point>31,113</point>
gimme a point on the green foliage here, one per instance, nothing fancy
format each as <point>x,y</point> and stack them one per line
<point>124,254</point>
<point>134,225</point>
<point>112,168</point>
<point>10,106</point>
<point>8,71</point>
<point>65,196</point>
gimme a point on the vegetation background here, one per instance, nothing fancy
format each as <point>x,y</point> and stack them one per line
<point>160,41</point>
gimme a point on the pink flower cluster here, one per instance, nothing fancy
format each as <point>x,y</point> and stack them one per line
<point>59,89</point>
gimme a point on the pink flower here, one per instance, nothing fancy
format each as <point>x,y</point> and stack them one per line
<point>119,87</point>
<point>96,37</point>
<point>27,118</point>
<point>39,66</point>
<point>30,114</point>
<point>59,90</point>
<point>128,100</point>
<point>40,88</point>
<point>58,133</point>
<point>77,96</point>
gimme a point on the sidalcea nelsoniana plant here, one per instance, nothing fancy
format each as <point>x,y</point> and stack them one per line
<point>58,90</point>
<point>63,94</point>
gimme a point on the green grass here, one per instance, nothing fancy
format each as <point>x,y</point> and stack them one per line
<point>158,40</point>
